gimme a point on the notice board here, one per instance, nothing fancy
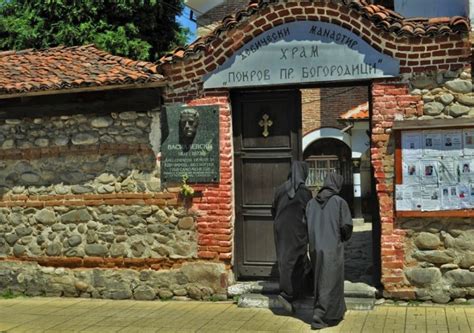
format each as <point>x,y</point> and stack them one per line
<point>435,170</point>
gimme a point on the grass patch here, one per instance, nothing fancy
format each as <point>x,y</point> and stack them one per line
<point>8,294</point>
<point>414,303</point>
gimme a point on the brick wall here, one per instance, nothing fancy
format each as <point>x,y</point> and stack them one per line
<point>214,208</point>
<point>389,99</point>
<point>417,56</point>
<point>321,107</point>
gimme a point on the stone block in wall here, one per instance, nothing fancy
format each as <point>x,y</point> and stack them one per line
<point>463,242</point>
<point>459,86</point>
<point>467,100</point>
<point>434,257</point>
<point>427,241</point>
<point>457,110</point>
<point>197,280</point>
<point>467,260</point>
<point>461,277</point>
<point>423,277</point>
<point>433,109</point>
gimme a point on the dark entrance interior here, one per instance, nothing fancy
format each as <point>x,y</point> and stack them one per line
<point>330,155</point>
<point>267,137</point>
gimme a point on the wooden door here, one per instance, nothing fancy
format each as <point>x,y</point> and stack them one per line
<point>267,136</point>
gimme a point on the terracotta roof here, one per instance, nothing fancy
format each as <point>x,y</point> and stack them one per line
<point>382,17</point>
<point>360,112</point>
<point>62,68</point>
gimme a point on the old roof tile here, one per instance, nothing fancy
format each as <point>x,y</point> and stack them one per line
<point>69,67</point>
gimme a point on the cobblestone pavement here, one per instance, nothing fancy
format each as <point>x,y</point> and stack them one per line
<point>85,315</point>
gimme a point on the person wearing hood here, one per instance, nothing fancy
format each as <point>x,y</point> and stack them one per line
<point>329,225</point>
<point>291,239</point>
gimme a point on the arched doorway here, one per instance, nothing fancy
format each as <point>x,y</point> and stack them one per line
<point>330,155</point>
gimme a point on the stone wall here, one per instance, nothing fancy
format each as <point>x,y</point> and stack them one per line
<point>82,209</point>
<point>322,107</point>
<point>135,231</point>
<point>411,268</point>
<point>439,258</point>
<point>199,281</point>
<point>78,154</point>
<point>446,94</point>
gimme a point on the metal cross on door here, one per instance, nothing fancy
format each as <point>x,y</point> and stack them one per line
<point>266,123</point>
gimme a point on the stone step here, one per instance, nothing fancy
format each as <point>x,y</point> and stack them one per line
<point>253,287</point>
<point>271,302</point>
<point>351,290</point>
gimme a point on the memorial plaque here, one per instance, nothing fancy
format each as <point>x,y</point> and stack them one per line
<point>190,144</point>
<point>300,52</point>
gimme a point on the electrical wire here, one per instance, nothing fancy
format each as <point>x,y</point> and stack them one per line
<point>331,96</point>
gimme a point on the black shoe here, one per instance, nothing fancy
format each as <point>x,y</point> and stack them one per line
<point>318,326</point>
<point>286,304</point>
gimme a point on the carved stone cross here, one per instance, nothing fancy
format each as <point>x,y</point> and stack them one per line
<point>266,123</point>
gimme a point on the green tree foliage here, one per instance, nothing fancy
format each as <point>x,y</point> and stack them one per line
<point>138,29</point>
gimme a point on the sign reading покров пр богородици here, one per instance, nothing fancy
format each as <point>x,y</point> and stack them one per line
<point>300,52</point>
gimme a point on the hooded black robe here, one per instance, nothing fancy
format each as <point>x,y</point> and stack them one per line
<point>329,225</point>
<point>290,232</point>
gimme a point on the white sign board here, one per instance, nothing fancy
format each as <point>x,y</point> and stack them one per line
<point>300,52</point>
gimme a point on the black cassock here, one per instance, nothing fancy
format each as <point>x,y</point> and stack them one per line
<point>329,226</point>
<point>290,232</point>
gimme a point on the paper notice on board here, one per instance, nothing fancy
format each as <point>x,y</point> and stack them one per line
<point>411,172</point>
<point>408,197</point>
<point>449,197</point>
<point>432,143</point>
<point>430,198</point>
<point>464,195</point>
<point>468,142</point>
<point>452,143</point>
<point>411,144</point>
<point>471,194</point>
<point>466,170</point>
<point>448,171</point>
<point>429,172</point>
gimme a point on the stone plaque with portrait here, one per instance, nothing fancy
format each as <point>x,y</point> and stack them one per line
<point>190,144</point>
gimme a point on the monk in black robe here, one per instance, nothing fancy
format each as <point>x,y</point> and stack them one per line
<point>291,239</point>
<point>329,225</point>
